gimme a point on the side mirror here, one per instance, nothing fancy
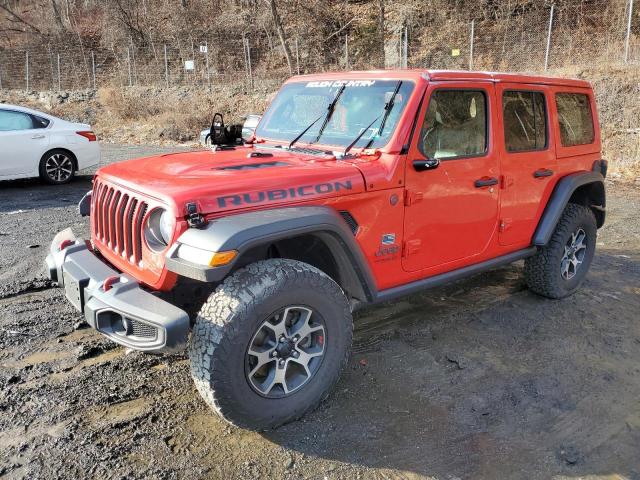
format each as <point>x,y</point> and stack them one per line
<point>249,126</point>
<point>425,164</point>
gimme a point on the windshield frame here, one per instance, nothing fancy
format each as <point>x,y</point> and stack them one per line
<point>414,87</point>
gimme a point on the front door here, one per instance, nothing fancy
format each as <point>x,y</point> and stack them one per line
<point>528,159</point>
<point>452,178</point>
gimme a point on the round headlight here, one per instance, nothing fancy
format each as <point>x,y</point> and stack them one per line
<point>159,229</point>
<point>167,224</point>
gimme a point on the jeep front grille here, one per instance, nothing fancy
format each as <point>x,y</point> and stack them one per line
<point>117,221</point>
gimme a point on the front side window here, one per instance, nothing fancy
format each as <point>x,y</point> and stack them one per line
<point>575,119</point>
<point>455,125</point>
<point>525,123</point>
<point>360,106</point>
<point>10,120</point>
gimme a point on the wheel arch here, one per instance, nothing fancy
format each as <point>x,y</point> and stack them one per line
<point>583,188</point>
<point>74,159</point>
<point>318,236</point>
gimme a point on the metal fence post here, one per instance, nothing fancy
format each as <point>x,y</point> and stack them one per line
<point>546,53</point>
<point>246,40</point>
<point>346,52</point>
<point>93,69</point>
<point>129,63</point>
<point>206,56</point>
<point>27,69</point>
<point>166,67</point>
<point>626,40</point>
<point>297,57</point>
<point>405,49</point>
<point>473,27</point>
<point>58,64</point>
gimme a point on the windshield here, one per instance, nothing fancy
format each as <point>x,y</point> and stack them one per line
<point>298,104</point>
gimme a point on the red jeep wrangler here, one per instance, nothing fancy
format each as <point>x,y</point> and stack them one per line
<point>356,188</point>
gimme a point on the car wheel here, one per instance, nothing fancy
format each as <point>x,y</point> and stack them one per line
<point>270,342</point>
<point>57,167</point>
<point>559,268</point>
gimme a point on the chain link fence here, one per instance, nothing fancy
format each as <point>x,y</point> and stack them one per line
<point>536,38</point>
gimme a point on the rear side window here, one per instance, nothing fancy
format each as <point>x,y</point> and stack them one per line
<point>525,121</point>
<point>576,121</point>
<point>39,122</point>
<point>455,125</point>
<point>10,121</point>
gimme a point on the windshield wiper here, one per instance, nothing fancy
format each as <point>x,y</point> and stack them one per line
<point>346,150</point>
<point>330,109</point>
<point>387,111</point>
<point>304,131</point>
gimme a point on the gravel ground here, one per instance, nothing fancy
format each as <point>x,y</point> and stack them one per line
<point>480,379</point>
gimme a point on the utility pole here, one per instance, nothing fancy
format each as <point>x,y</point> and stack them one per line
<point>546,54</point>
<point>206,56</point>
<point>297,57</point>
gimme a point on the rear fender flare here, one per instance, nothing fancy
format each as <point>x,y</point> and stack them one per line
<point>562,194</point>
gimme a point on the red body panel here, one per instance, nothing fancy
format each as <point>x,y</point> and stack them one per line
<point>446,223</point>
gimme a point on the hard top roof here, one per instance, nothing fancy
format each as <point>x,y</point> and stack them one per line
<point>443,75</point>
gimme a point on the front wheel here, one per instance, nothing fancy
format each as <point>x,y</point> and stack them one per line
<point>270,342</point>
<point>559,268</point>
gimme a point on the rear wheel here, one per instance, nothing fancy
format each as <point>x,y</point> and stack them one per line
<point>270,342</point>
<point>559,268</point>
<point>57,167</point>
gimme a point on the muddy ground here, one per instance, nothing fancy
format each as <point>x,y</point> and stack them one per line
<point>481,379</point>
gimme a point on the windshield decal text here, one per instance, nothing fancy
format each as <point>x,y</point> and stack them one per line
<point>339,83</point>
<point>283,194</point>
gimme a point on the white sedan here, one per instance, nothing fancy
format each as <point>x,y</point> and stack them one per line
<point>34,144</point>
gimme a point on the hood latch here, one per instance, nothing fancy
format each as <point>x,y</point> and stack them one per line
<point>195,218</point>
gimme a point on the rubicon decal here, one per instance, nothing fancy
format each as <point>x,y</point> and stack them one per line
<point>283,194</point>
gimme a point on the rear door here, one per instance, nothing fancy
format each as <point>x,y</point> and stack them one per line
<point>24,140</point>
<point>528,162</point>
<point>452,208</point>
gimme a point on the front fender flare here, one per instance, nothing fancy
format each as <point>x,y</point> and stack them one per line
<point>245,231</point>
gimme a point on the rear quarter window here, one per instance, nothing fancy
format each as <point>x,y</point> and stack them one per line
<point>575,119</point>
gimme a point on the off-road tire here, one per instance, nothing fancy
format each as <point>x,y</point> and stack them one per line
<point>543,270</point>
<point>229,319</point>
<point>70,162</point>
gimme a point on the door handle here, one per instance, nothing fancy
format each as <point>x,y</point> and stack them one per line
<point>425,164</point>
<point>486,182</point>
<point>542,172</point>
<point>38,136</point>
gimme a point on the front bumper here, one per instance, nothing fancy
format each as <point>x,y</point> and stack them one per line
<point>125,312</point>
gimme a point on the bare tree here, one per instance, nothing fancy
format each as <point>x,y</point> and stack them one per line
<point>15,18</point>
<point>57,16</point>
<point>281,34</point>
